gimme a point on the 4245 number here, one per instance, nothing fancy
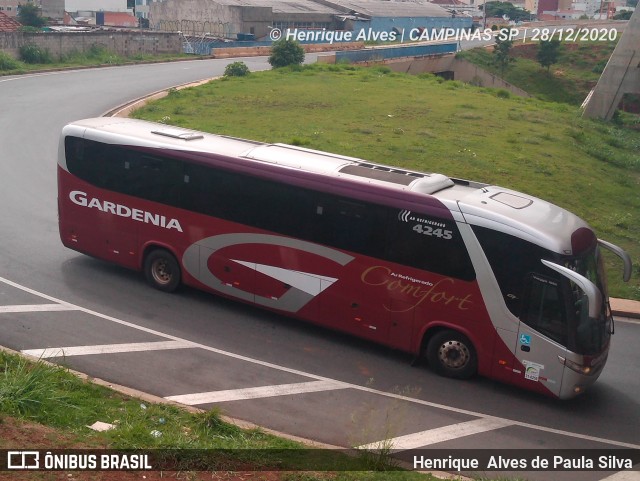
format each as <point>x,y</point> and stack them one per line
<point>428,230</point>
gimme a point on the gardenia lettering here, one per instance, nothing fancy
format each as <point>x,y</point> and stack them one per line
<point>80,198</point>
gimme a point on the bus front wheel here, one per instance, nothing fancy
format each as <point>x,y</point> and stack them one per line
<point>451,354</point>
<point>162,270</point>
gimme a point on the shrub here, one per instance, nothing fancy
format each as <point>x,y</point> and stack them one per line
<point>97,51</point>
<point>286,52</point>
<point>236,69</point>
<point>599,67</point>
<point>31,53</point>
<point>7,62</point>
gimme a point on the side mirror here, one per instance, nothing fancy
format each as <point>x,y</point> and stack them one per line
<point>622,254</point>
<point>589,288</point>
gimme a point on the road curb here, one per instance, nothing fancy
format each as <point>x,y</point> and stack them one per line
<point>125,109</point>
<point>625,308</point>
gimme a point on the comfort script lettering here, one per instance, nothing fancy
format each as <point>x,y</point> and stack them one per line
<point>436,293</point>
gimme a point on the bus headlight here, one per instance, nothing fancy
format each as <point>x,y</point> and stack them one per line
<point>574,366</point>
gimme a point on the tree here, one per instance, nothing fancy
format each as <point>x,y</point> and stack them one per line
<point>286,52</point>
<point>501,57</point>
<point>624,15</point>
<point>29,15</point>
<point>548,52</point>
<point>506,9</point>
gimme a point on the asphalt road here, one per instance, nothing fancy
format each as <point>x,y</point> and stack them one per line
<point>257,366</point>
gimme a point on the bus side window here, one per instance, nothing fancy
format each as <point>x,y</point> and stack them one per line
<point>348,225</point>
<point>434,245</point>
<point>158,179</point>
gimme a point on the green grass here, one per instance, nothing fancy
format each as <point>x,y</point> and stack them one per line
<point>545,149</point>
<point>568,81</point>
<point>95,56</point>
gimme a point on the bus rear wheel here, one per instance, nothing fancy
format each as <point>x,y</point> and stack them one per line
<point>451,354</point>
<point>162,270</point>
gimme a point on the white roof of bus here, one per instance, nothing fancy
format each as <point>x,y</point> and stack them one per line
<point>502,209</point>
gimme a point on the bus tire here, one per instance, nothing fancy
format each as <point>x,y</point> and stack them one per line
<point>451,354</point>
<point>162,270</point>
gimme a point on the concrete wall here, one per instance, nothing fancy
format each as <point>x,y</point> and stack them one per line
<point>194,17</point>
<point>121,43</point>
<point>181,15</point>
<point>53,9</point>
<point>620,76</point>
<point>255,20</point>
<point>260,50</point>
<point>462,70</point>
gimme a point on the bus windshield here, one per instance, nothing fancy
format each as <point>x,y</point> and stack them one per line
<point>548,302</point>
<point>590,335</point>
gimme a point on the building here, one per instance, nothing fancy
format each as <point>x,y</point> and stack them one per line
<point>385,16</point>
<point>562,15</point>
<point>51,9</point>
<point>8,24</point>
<point>95,5</point>
<point>9,8</point>
<point>258,17</point>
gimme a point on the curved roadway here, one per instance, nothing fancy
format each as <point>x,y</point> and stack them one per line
<point>203,350</point>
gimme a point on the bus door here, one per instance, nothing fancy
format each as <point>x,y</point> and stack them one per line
<point>549,323</point>
<point>542,333</point>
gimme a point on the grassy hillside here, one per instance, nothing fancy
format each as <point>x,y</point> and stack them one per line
<point>424,123</point>
<point>570,80</point>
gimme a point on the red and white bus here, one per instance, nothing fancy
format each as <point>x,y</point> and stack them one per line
<point>475,278</point>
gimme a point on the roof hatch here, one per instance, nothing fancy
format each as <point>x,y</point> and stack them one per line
<point>512,200</point>
<point>177,133</point>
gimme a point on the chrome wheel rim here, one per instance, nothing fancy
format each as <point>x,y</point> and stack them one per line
<point>453,354</point>
<point>161,272</point>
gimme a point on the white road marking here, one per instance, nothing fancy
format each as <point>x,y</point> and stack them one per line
<point>440,435</point>
<point>257,392</point>
<point>258,362</point>
<point>36,308</point>
<point>106,349</point>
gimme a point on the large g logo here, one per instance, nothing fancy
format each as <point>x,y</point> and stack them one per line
<point>304,285</point>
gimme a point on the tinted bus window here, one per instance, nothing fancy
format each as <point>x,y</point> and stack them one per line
<point>512,260</point>
<point>348,224</point>
<point>431,244</point>
<point>125,171</point>
<point>153,178</point>
<point>286,209</point>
